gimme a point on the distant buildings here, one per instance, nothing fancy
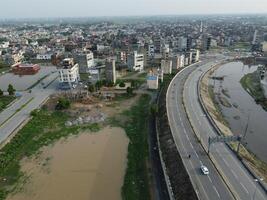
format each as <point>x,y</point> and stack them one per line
<point>136,61</point>
<point>25,69</point>
<point>69,74</point>
<point>111,70</point>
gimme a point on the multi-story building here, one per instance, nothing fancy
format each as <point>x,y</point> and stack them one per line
<point>69,74</point>
<point>136,61</point>
<point>178,61</point>
<point>111,70</point>
<point>166,66</point>
<point>195,55</point>
<point>152,81</point>
<point>85,61</point>
<point>206,43</point>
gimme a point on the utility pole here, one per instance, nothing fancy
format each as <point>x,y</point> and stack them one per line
<point>256,182</point>
<point>244,136</point>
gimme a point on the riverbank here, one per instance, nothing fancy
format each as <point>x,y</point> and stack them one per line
<point>251,83</point>
<point>208,95</point>
<point>135,122</point>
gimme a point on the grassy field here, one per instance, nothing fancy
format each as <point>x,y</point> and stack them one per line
<point>43,129</point>
<point>4,101</point>
<point>136,178</point>
<point>251,83</point>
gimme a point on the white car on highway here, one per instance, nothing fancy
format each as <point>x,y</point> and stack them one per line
<point>204,169</point>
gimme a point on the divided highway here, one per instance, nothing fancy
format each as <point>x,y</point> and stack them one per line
<point>206,186</point>
<point>19,111</point>
<point>238,178</point>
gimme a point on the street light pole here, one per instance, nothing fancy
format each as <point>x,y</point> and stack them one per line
<point>244,136</point>
<point>256,180</point>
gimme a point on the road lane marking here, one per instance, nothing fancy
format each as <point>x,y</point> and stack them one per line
<point>244,188</point>
<point>216,191</point>
<point>210,179</point>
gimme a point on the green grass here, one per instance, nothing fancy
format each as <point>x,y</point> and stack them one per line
<point>4,69</point>
<point>136,178</point>
<point>5,101</point>
<point>251,83</point>
<point>43,129</point>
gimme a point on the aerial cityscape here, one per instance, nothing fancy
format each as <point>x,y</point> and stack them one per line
<point>133,100</point>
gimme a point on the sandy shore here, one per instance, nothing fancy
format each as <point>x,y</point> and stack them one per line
<point>86,167</point>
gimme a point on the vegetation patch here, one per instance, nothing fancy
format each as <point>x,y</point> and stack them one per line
<point>251,83</point>
<point>136,126</point>
<point>43,129</point>
<point>5,101</point>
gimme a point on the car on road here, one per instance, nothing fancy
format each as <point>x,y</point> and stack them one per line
<point>204,169</point>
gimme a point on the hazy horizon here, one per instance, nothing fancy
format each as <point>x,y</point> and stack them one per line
<point>119,8</point>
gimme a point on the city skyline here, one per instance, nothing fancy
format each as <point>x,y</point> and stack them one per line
<point>91,8</point>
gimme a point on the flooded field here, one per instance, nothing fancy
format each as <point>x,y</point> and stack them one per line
<point>241,106</point>
<point>90,166</point>
<point>23,82</point>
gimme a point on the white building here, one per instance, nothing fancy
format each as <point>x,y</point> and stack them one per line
<point>195,55</point>
<point>264,47</point>
<point>166,66</point>
<point>85,61</point>
<point>46,56</point>
<point>152,81</point>
<point>69,74</point>
<point>136,61</point>
<point>178,61</point>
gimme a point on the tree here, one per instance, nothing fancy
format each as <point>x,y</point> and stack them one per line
<point>63,104</point>
<point>1,93</point>
<point>122,84</point>
<point>91,88</point>
<point>11,90</point>
<point>129,90</point>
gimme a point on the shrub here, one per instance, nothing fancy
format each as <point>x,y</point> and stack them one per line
<point>63,104</point>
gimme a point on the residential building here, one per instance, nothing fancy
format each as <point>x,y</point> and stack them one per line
<point>136,61</point>
<point>69,74</point>
<point>178,61</point>
<point>111,70</point>
<point>85,61</point>
<point>152,81</point>
<point>195,55</point>
<point>166,66</point>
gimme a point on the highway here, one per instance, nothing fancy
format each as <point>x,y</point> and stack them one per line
<point>19,111</point>
<point>206,186</point>
<point>238,178</point>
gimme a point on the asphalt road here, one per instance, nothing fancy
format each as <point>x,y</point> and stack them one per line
<point>241,182</point>
<point>19,111</point>
<point>206,186</point>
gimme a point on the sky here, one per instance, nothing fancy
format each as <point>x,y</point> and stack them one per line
<point>92,8</point>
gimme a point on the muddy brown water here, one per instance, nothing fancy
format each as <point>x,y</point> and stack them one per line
<point>86,167</point>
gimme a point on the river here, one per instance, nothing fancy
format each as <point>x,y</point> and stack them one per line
<point>243,107</point>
